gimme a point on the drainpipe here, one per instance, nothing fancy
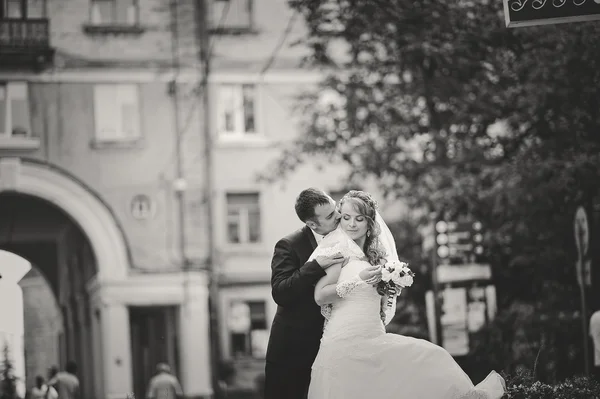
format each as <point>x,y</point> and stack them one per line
<point>179,183</point>
<point>211,259</point>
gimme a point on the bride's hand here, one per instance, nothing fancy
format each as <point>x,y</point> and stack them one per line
<point>371,275</point>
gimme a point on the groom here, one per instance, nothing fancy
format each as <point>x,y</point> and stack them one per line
<point>298,325</point>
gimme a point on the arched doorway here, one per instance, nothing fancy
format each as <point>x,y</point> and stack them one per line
<point>71,236</point>
<point>44,235</point>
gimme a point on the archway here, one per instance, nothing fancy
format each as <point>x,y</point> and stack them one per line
<point>41,233</point>
<point>79,202</point>
<point>51,213</point>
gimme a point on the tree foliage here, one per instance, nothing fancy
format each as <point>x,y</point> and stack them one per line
<point>447,109</point>
<point>8,384</point>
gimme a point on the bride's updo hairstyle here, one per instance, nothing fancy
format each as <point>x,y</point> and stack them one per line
<point>365,205</point>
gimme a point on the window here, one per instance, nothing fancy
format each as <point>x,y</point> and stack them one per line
<point>11,9</point>
<point>248,328</point>
<point>236,111</point>
<point>117,113</point>
<point>36,9</point>
<point>231,15</point>
<point>14,110</point>
<point>243,218</point>
<point>114,12</point>
<point>23,9</point>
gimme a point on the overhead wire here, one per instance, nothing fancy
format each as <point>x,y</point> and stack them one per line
<point>197,91</point>
<point>270,60</point>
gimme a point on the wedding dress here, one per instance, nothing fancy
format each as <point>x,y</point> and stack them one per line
<point>357,359</point>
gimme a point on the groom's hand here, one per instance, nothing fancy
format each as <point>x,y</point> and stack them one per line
<point>371,275</point>
<point>327,261</point>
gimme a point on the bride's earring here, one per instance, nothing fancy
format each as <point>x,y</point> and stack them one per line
<point>369,233</point>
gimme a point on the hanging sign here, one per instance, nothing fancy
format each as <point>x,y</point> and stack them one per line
<point>518,13</point>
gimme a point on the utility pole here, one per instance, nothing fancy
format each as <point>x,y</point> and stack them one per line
<point>211,267</point>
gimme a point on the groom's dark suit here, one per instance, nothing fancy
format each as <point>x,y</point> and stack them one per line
<point>298,325</point>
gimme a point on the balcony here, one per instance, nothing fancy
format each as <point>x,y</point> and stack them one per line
<point>25,43</point>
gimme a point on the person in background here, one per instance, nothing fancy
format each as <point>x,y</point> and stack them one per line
<point>52,371</point>
<point>42,391</point>
<point>164,385</point>
<point>66,382</point>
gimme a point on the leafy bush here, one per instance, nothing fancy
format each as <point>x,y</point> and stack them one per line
<point>8,384</point>
<point>523,386</point>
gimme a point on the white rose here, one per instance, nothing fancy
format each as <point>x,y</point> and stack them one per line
<point>386,275</point>
<point>406,280</point>
<point>395,275</point>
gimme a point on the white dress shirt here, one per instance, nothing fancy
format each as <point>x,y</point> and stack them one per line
<point>318,237</point>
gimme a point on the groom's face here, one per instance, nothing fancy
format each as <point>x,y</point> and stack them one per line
<point>326,218</point>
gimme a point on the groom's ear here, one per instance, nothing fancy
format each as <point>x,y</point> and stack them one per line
<point>311,224</point>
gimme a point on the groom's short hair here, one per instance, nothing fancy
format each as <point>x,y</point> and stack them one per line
<point>308,200</point>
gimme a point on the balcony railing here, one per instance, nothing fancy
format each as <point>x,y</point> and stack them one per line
<point>25,42</point>
<point>24,33</point>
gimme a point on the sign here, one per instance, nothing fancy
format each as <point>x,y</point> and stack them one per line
<point>142,207</point>
<point>477,312</point>
<point>519,13</point>
<point>259,340</point>
<point>466,272</point>
<point>239,318</point>
<point>459,242</point>
<point>582,241</point>
<point>453,320</point>
<point>464,311</point>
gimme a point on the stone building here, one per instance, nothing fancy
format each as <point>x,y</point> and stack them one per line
<point>103,182</point>
<point>89,128</point>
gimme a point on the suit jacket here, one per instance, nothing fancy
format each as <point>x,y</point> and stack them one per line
<point>298,324</point>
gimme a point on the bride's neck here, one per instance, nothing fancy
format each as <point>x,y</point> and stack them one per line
<point>361,242</point>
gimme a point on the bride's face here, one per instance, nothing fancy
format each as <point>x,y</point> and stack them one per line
<point>353,223</point>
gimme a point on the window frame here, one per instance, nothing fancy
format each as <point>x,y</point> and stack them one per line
<point>119,135</point>
<point>218,25</point>
<point>239,132</point>
<point>114,11</point>
<point>243,219</point>
<point>248,352</point>
<point>7,131</point>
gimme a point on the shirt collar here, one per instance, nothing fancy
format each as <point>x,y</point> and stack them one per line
<point>318,237</point>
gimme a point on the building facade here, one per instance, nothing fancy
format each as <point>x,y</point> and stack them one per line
<point>255,82</point>
<point>104,188</point>
<point>99,124</point>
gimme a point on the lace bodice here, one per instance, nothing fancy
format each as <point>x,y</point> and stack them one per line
<point>357,314</point>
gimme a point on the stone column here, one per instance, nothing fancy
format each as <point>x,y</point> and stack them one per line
<point>195,342</point>
<point>85,347</point>
<point>116,349</point>
<point>97,352</point>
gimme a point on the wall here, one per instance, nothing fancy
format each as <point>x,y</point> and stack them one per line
<point>151,46</point>
<point>43,324</point>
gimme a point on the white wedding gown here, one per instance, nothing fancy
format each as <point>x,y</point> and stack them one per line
<point>358,360</point>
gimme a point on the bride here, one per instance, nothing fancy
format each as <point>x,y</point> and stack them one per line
<point>357,359</point>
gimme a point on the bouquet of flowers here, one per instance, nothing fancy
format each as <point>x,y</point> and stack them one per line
<point>395,275</point>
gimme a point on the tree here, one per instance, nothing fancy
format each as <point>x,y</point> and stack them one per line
<point>9,381</point>
<point>423,84</point>
<point>449,110</point>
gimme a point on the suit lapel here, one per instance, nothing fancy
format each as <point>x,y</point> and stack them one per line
<point>311,237</point>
